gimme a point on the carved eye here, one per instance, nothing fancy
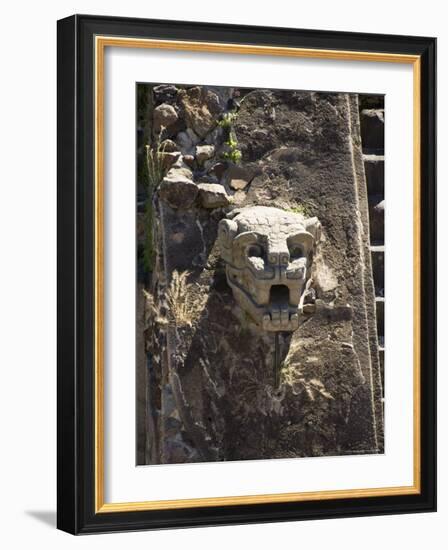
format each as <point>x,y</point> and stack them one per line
<point>296,252</point>
<point>255,251</point>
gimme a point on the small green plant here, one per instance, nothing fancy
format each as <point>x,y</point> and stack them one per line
<point>228,119</point>
<point>233,154</point>
<point>299,209</point>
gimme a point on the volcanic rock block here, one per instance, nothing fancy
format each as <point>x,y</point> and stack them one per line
<point>177,188</point>
<point>212,195</point>
<point>236,177</point>
<point>204,152</point>
<point>165,116</point>
<point>200,108</point>
<point>186,141</point>
<point>165,93</point>
<point>372,129</point>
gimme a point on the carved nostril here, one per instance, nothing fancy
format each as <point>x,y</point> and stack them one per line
<point>273,258</point>
<point>284,259</point>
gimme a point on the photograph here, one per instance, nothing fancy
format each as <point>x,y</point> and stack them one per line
<point>260,273</point>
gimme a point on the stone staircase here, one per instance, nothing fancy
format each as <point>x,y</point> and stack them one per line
<point>372,137</point>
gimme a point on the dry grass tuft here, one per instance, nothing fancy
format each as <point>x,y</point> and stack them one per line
<point>186,301</point>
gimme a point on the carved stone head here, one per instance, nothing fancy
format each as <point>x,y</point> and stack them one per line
<point>268,254</point>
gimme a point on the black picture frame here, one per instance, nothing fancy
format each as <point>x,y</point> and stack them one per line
<point>76,254</point>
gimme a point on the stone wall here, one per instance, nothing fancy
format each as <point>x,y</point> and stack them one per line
<point>211,383</point>
<point>372,137</point>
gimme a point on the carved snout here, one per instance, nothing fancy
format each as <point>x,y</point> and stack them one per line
<point>279,255</point>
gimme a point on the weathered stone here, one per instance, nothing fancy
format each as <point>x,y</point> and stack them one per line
<point>189,160</point>
<point>165,116</point>
<point>238,184</point>
<point>215,136</point>
<point>186,141</point>
<point>237,177</point>
<point>372,130</point>
<point>201,108</point>
<point>308,309</point>
<point>204,152</point>
<point>169,159</point>
<point>182,168</point>
<point>218,169</point>
<point>212,195</point>
<point>177,188</point>
<point>238,198</point>
<point>165,93</point>
<point>207,178</point>
<point>374,170</point>
<point>267,253</point>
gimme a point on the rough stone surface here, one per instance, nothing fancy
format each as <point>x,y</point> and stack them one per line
<point>239,176</point>
<point>204,152</point>
<point>372,129</point>
<point>164,116</point>
<point>218,169</point>
<point>189,160</point>
<point>169,159</point>
<point>165,93</point>
<point>213,195</point>
<point>374,169</point>
<point>200,108</point>
<point>214,379</point>
<point>177,188</point>
<point>186,141</point>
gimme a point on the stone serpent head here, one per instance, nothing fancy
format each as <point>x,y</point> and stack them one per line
<point>268,254</point>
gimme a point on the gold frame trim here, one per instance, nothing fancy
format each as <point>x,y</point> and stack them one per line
<point>101,42</point>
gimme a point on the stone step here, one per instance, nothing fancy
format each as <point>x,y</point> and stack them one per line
<point>381,354</point>
<point>379,302</point>
<point>376,219</point>
<point>372,130</point>
<point>374,170</point>
<point>369,101</point>
<point>377,255</point>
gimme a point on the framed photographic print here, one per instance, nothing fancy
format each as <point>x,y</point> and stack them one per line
<point>246,274</point>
